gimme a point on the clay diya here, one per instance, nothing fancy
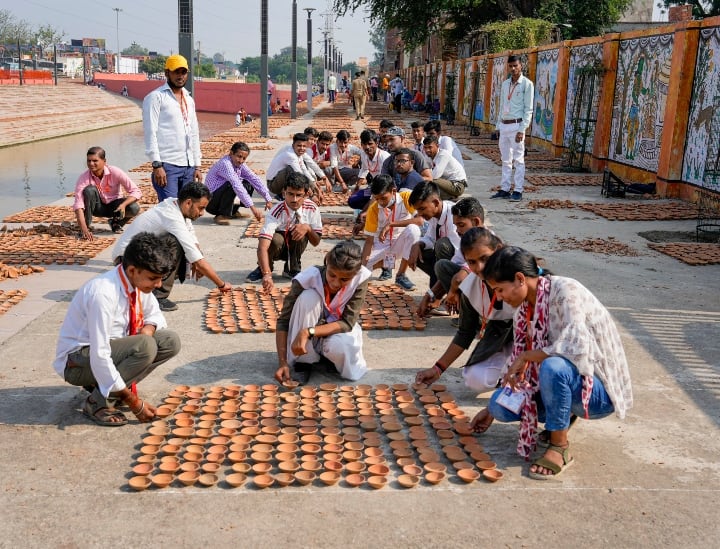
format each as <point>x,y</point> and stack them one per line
<point>435,467</point>
<point>261,457</point>
<point>311,448</point>
<point>139,483</point>
<point>351,455</point>
<point>169,466</point>
<point>143,469</point>
<point>153,440</point>
<point>377,481</point>
<point>305,477</point>
<point>241,467</point>
<point>312,466</point>
<point>170,449</point>
<point>434,477</point>
<point>236,479</point>
<point>284,479</point>
<point>188,478</point>
<point>492,475</point>
<point>329,478</point>
<point>161,480</point>
<point>468,475</point>
<point>264,481</point>
<point>261,468</point>
<point>460,465</point>
<point>480,456</point>
<point>413,470</point>
<point>236,457</point>
<point>210,467</point>
<point>146,458</point>
<point>408,481</point>
<point>288,466</point>
<point>192,456</point>
<point>355,467</point>
<point>486,465</point>
<point>149,450</point>
<point>379,469</point>
<point>354,480</point>
<point>333,465</point>
<point>189,466</point>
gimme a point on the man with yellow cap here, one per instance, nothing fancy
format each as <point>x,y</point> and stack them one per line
<point>172,137</point>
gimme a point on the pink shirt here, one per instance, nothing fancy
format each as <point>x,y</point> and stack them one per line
<point>108,187</point>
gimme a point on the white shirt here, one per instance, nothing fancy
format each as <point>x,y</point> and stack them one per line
<point>164,218</point>
<point>446,167</point>
<point>372,166</point>
<point>443,227</point>
<point>281,216</point>
<point>286,157</point>
<point>171,131</point>
<point>342,160</point>
<point>516,101</point>
<point>396,84</point>
<point>100,312</point>
<point>448,143</point>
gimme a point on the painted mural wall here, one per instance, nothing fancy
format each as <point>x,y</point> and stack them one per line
<point>468,89</point>
<point>499,74</point>
<point>643,75</point>
<point>700,163</point>
<point>581,56</point>
<point>545,83</point>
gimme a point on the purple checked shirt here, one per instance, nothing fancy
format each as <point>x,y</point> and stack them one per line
<point>224,170</point>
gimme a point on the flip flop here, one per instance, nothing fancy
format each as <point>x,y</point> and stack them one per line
<point>103,416</point>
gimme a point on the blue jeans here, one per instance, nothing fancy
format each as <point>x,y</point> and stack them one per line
<point>177,176</point>
<point>560,395</point>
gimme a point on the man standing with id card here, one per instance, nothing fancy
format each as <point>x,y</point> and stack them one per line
<point>516,108</point>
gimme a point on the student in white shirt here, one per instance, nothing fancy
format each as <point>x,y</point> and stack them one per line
<point>341,156</point>
<point>113,335</point>
<point>372,159</point>
<point>448,173</point>
<point>174,216</point>
<point>441,240</point>
<point>294,158</point>
<point>288,228</point>
<point>446,143</point>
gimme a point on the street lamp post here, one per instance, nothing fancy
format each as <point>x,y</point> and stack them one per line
<point>293,85</point>
<point>309,58</point>
<point>263,68</point>
<point>117,36</point>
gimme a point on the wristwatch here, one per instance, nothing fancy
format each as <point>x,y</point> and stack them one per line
<point>156,165</point>
<point>311,331</point>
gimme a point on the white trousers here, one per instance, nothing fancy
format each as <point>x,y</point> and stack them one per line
<point>483,376</point>
<point>344,350</point>
<point>512,152</point>
<point>400,245</point>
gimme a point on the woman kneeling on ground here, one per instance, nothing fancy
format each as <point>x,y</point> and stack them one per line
<point>319,318</point>
<point>567,359</point>
<point>482,315</point>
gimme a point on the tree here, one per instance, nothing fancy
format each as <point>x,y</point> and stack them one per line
<point>135,49</point>
<point>377,41</point>
<point>154,65</point>
<point>13,30</point>
<point>454,20</point>
<point>701,8</point>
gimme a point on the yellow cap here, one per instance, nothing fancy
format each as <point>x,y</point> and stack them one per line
<point>175,62</point>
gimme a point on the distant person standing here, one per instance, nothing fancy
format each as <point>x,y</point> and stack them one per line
<point>332,87</point>
<point>359,94</point>
<point>270,92</point>
<point>172,136</point>
<point>386,87</point>
<point>396,87</point>
<point>374,87</point>
<point>516,108</point>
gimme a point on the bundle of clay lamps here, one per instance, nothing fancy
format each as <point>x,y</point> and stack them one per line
<point>263,436</point>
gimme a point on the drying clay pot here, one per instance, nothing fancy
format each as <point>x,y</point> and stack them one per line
<point>408,481</point>
<point>284,479</point>
<point>264,481</point>
<point>139,483</point>
<point>305,477</point>
<point>355,467</point>
<point>379,469</point>
<point>468,475</point>
<point>261,468</point>
<point>161,480</point>
<point>485,465</point>
<point>492,475</point>
<point>376,482</point>
<point>354,480</point>
<point>188,478</point>
<point>329,478</point>
<point>243,468</point>
<point>236,479</point>
<point>143,469</point>
<point>434,477</point>
<point>413,470</point>
<point>210,467</point>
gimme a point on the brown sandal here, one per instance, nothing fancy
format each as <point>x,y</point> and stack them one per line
<point>104,416</point>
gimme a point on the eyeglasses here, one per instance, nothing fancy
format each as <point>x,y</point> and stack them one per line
<point>401,160</point>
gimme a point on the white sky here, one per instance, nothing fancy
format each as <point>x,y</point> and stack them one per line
<point>229,26</point>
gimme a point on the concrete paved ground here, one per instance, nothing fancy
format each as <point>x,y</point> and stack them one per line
<point>649,481</point>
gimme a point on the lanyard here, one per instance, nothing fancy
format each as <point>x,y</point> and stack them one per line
<point>184,109</point>
<point>373,168</point>
<point>135,305</point>
<point>529,311</point>
<point>392,217</point>
<point>486,316</point>
<point>337,313</point>
<point>512,89</point>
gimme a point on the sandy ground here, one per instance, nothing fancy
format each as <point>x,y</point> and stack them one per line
<point>649,481</point>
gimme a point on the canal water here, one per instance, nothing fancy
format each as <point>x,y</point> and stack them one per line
<point>36,174</point>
